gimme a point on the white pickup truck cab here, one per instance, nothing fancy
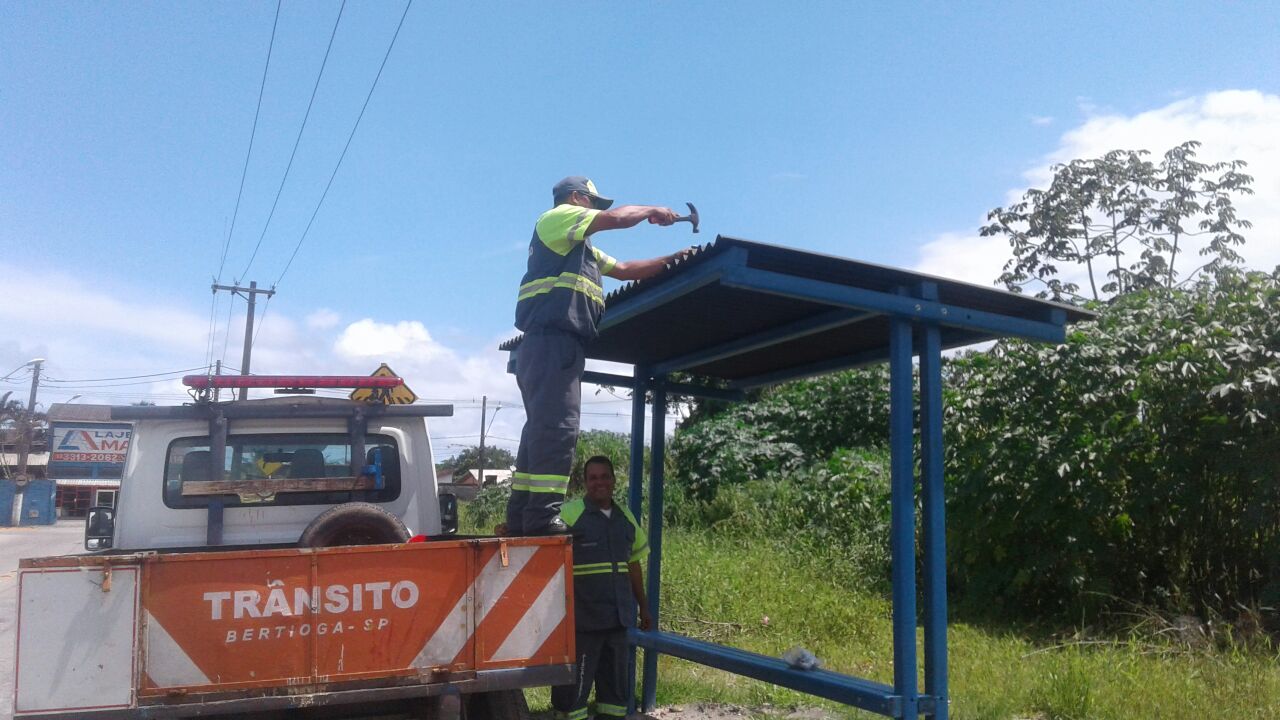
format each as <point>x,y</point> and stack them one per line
<point>297,461</point>
<point>289,555</point>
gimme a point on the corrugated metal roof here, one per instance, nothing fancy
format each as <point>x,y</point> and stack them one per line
<point>745,311</point>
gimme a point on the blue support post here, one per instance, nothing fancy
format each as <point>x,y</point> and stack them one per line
<point>635,494</point>
<point>903,515</point>
<point>657,453</point>
<point>935,527</point>
<point>635,470</point>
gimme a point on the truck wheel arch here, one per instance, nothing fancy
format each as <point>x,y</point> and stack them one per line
<point>354,523</point>
<point>497,705</point>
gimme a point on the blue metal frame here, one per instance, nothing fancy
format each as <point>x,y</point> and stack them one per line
<point>657,460</point>
<point>865,694</point>
<point>762,340</point>
<point>902,522</point>
<point>635,493</point>
<point>683,284</point>
<point>916,318</point>
<point>934,539</point>
<point>602,378</point>
<point>898,305</point>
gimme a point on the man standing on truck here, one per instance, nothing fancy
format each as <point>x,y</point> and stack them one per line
<point>608,585</point>
<point>559,305</point>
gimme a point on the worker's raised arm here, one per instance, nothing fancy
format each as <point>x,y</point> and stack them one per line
<point>630,216</point>
<point>641,269</point>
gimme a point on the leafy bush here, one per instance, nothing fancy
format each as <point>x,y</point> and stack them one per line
<point>490,505</point>
<point>837,510</point>
<point>1138,460</point>
<point>790,426</point>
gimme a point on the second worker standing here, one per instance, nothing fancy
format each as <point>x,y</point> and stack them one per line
<point>559,306</point>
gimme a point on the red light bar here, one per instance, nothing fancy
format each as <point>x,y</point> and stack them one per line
<point>206,382</point>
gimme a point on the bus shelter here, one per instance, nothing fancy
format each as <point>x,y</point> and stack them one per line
<point>748,315</point>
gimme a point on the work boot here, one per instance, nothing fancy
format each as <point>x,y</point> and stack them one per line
<point>555,527</point>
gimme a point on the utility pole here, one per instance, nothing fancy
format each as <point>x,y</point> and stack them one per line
<point>250,294</point>
<point>484,402</point>
<point>24,445</point>
<point>28,434</point>
<point>217,371</point>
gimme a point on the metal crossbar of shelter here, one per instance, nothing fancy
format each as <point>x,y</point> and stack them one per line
<point>750,314</point>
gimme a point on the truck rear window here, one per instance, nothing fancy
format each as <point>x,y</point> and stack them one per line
<point>281,469</point>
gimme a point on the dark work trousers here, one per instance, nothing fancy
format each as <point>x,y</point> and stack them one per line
<point>549,371</point>
<point>602,658</point>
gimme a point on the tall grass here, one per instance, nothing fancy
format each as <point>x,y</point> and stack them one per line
<point>743,570</point>
<point>754,596</point>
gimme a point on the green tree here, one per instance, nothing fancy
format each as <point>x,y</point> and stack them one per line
<point>1137,460</point>
<point>18,426</point>
<point>469,459</point>
<point>1126,222</point>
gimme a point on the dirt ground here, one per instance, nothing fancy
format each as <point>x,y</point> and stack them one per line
<point>710,711</point>
<point>705,711</point>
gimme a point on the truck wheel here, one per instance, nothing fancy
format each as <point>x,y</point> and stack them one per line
<point>355,523</point>
<point>497,705</point>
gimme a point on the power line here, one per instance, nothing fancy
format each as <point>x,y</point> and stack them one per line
<point>354,127</point>
<point>297,141</point>
<point>262,86</point>
<point>244,172</point>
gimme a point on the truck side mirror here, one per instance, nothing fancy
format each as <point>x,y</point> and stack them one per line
<point>448,514</point>
<point>99,528</point>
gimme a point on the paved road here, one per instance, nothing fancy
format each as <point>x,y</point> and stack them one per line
<point>65,538</point>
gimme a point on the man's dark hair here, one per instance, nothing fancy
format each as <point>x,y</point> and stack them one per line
<point>598,460</point>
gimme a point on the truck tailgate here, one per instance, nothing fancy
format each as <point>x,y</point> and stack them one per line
<point>163,628</point>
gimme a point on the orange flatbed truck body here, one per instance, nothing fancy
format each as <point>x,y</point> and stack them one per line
<point>164,634</point>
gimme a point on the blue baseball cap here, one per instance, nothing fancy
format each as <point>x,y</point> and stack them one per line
<point>579,184</point>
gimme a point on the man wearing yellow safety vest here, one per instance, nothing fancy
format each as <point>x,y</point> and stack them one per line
<point>608,585</point>
<point>559,304</point>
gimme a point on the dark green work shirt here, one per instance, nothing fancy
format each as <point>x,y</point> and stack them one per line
<point>602,547</point>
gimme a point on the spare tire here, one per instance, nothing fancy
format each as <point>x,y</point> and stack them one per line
<point>355,523</point>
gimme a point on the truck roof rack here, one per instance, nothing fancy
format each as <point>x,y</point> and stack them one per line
<point>317,407</point>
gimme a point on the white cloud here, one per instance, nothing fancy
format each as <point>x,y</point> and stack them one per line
<point>322,319</point>
<point>62,301</point>
<point>369,338</point>
<point>1231,125</point>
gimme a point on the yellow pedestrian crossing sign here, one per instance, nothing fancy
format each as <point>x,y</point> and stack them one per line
<point>401,395</point>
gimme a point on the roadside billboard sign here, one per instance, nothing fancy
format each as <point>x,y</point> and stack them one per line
<point>88,449</point>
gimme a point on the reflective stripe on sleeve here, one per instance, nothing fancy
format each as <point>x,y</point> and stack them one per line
<point>639,550</point>
<point>604,261</point>
<point>578,232</point>
<point>563,226</point>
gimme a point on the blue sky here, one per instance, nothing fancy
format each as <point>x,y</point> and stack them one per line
<point>877,131</point>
